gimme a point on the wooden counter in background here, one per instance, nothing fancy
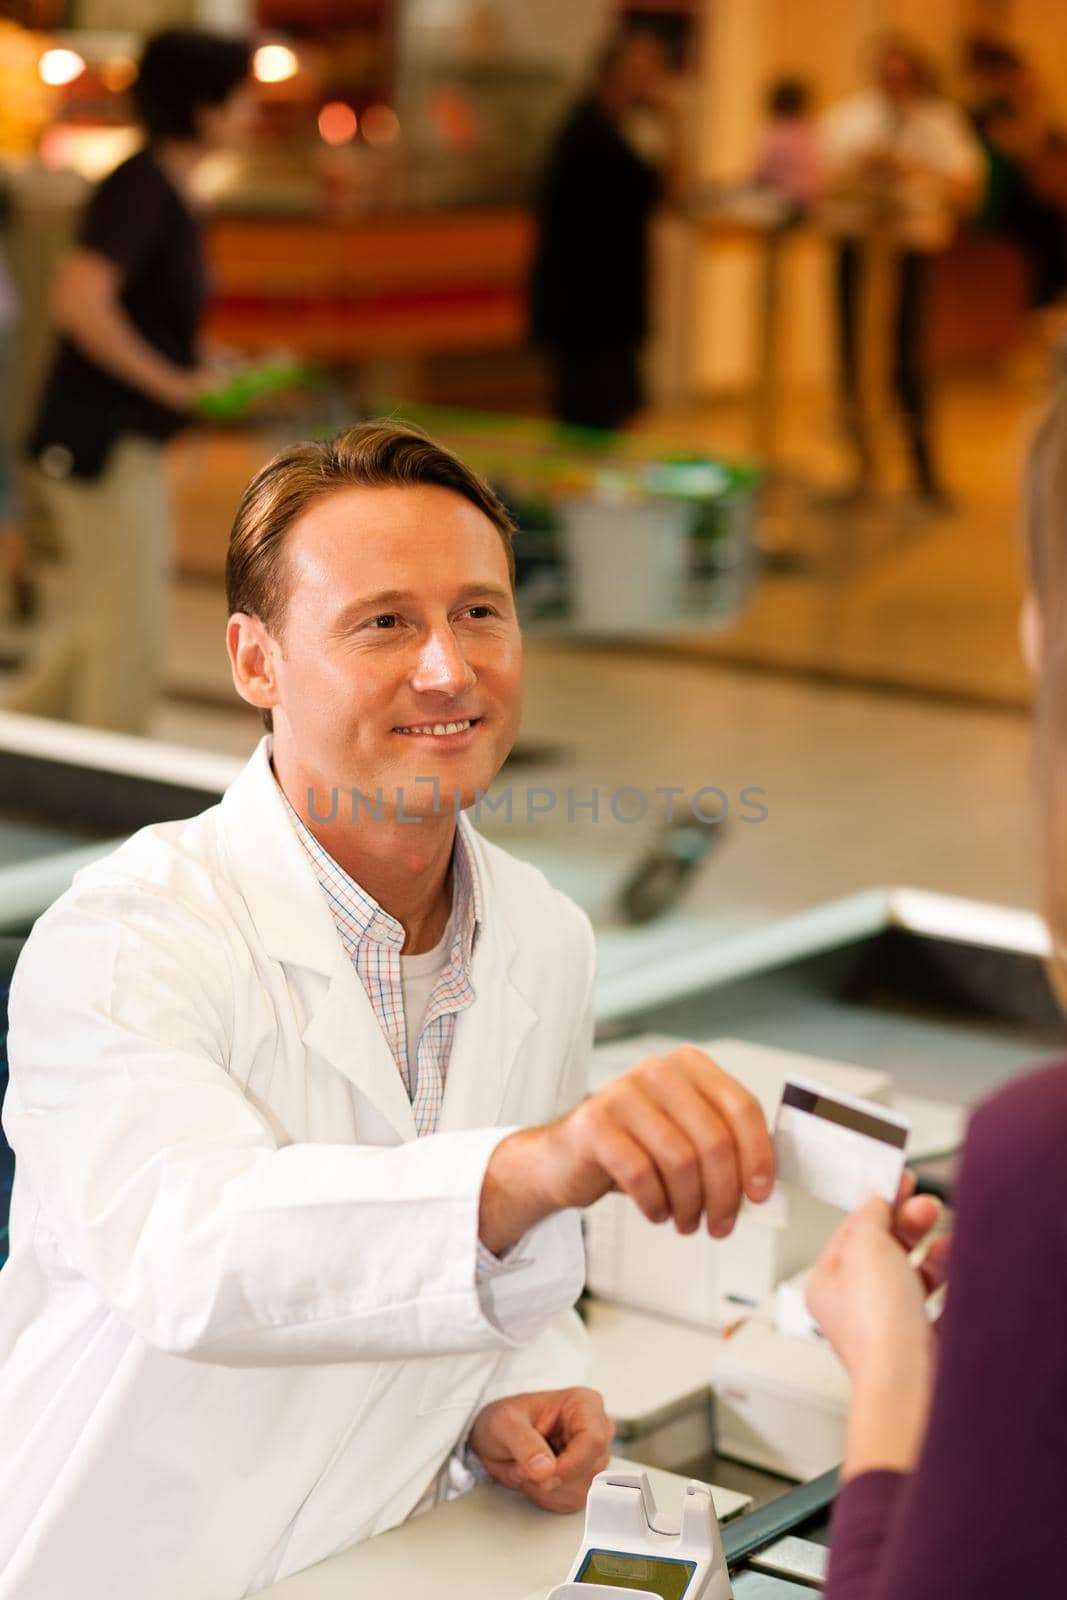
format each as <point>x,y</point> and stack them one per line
<point>452,281</point>
<point>341,290</point>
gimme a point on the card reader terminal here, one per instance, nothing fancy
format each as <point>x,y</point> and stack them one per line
<point>629,1549</point>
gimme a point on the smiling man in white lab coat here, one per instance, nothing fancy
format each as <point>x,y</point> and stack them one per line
<point>295,1094</point>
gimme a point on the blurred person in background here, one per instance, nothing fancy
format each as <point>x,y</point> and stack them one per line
<point>1009,110</point>
<point>788,161</point>
<point>936,1420</point>
<point>589,288</point>
<point>902,167</point>
<point>127,303</point>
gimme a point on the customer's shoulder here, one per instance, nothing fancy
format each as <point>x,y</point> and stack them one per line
<point>1021,1130</point>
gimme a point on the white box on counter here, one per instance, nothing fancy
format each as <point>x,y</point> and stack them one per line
<point>780,1401</point>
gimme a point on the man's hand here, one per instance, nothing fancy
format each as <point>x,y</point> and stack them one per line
<point>549,1445</point>
<point>677,1134</point>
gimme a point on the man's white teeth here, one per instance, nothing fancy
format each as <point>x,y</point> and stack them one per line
<point>438,727</point>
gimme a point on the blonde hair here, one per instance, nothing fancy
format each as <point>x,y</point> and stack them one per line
<point>1045,530</point>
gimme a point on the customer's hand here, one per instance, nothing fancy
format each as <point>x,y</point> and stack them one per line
<point>869,1302</point>
<point>676,1133</point>
<point>549,1445</point>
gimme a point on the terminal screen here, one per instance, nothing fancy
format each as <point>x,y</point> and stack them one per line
<point>654,1574</point>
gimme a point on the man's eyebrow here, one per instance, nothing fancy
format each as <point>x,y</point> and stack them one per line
<point>393,597</point>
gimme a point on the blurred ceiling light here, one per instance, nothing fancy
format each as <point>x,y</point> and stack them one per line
<point>57,67</point>
<point>381,125</point>
<point>337,123</point>
<point>118,73</point>
<point>274,63</point>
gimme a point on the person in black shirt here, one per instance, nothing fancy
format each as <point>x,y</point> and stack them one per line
<point>126,303</point>
<point>589,285</point>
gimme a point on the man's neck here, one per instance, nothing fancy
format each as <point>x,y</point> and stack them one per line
<point>405,865</point>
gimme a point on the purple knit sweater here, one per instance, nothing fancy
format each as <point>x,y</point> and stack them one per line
<point>982,1515</point>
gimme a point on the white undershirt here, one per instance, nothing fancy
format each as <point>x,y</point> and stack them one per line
<point>418,979</point>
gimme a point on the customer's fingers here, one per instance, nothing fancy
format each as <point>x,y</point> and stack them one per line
<point>915,1218</point>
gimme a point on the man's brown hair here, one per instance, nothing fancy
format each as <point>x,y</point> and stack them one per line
<point>369,455</point>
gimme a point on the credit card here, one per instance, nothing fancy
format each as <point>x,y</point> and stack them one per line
<point>837,1147</point>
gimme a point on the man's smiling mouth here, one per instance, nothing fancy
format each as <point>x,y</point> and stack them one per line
<point>440,729</point>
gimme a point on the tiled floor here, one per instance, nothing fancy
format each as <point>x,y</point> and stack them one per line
<point>881,592</point>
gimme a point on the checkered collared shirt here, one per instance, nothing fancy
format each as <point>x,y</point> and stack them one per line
<point>374,940</point>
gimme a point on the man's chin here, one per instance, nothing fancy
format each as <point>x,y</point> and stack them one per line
<point>440,794</point>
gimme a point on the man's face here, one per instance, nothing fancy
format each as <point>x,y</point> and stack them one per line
<point>399,618</point>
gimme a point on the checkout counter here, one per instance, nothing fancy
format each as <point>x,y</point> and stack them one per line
<point>935,999</point>
<point>494,1545</point>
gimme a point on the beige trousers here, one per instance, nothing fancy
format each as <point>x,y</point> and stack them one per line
<point>99,655</point>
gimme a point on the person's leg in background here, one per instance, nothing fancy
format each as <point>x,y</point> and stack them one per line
<point>909,378</point>
<point>596,388</point>
<point>98,658</point>
<point>848,305</point>
<point>44,686</point>
<point>124,583</point>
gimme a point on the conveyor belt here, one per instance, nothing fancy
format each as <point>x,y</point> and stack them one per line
<point>743,1538</point>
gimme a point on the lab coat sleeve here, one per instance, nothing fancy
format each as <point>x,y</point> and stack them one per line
<point>152,1175</point>
<point>558,1357</point>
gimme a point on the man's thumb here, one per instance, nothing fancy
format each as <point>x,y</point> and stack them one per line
<point>529,1449</point>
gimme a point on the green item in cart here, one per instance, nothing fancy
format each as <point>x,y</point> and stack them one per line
<point>236,396</point>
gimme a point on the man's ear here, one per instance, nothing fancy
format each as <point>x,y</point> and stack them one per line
<point>253,656</point>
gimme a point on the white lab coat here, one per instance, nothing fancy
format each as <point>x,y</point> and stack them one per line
<point>240,1327</point>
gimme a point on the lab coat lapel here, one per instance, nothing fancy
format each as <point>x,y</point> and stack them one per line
<point>293,920</point>
<point>490,1032</point>
<point>344,1030</point>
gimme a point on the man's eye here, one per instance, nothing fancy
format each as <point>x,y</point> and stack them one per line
<point>483,611</point>
<point>387,619</point>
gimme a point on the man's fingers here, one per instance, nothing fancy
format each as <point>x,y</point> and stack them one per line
<point>517,1443</point>
<point>587,1433</point>
<point>507,1473</point>
<point>742,1114</point>
<point>586,1454</point>
<point>710,1140</point>
<point>631,1170</point>
<point>673,1153</point>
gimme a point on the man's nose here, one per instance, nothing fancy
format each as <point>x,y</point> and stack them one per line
<point>441,664</point>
